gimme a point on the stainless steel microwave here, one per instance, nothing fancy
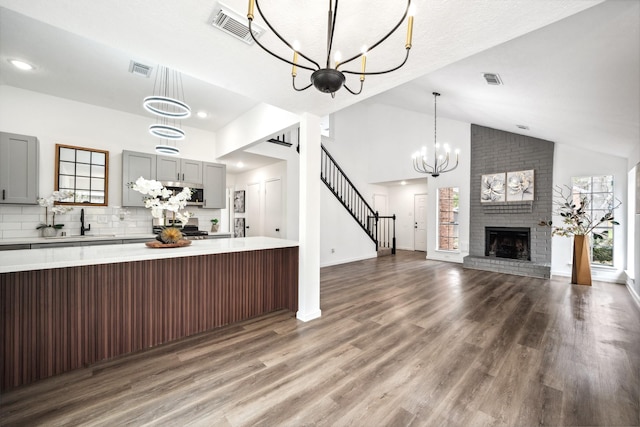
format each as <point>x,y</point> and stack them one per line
<point>197,192</point>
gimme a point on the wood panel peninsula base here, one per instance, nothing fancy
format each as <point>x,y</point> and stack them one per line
<point>53,320</point>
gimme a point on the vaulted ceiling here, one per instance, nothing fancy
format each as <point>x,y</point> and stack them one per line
<point>571,69</point>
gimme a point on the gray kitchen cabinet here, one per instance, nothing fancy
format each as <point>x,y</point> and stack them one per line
<point>18,168</point>
<point>75,243</point>
<point>191,171</point>
<point>171,169</point>
<point>167,168</point>
<point>214,177</point>
<point>55,245</point>
<point>15,247</point>
<point>134,166</point>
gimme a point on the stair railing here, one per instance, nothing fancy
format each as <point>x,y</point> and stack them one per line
<point>380,229</point>
<point>385,231</point>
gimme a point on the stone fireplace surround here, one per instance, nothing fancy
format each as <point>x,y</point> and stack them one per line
<point>496,151</point>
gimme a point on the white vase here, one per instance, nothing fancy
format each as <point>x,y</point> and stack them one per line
<point>49,232</point>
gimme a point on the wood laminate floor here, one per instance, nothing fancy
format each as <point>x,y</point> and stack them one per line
<point>401,342</point>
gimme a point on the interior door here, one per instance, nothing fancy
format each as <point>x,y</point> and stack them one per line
<point>273,220</point>
<point>252,202</point>
<point>420,225</point>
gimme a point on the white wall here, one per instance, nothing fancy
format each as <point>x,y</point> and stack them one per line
<point>633,260</point>
<point>61,121</point>
<point>374,143</point>
<point>254,126</point>
<point>341,240</point>
<point>260,176</point>
<point>569,162</point>
<point>401,202</point>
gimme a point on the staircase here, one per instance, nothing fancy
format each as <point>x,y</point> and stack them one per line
<point>380,229</point>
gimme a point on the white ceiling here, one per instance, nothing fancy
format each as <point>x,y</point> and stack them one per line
<point>571,68</point>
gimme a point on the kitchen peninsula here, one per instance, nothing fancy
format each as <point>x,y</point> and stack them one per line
<point>65,308</point>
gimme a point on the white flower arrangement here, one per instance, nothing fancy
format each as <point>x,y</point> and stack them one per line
<point>49,203</point>
<point>160,199</point>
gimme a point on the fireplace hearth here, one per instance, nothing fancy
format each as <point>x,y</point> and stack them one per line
<point>508,242</point>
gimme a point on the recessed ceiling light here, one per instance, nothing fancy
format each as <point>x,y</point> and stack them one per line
<point>21,65</point>
<point>202,114</point>
<point>240,164</point>
<point>403,183</point>
<point>523,127</point>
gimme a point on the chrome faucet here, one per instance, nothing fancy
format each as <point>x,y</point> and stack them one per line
<point>82,227</point>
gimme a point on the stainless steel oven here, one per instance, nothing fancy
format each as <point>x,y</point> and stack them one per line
<point>190,231</point>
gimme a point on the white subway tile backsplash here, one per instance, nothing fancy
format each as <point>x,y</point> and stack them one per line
<point>21,221</point>
<point>21,218</point>
<point>10,209</point>
<point>13,234</point>
<point>11,225</point>
<point>28,225</point>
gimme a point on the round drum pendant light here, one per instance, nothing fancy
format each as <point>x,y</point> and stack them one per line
<point>166,131</point>
<point>166,107</point>
<point>167,149</point>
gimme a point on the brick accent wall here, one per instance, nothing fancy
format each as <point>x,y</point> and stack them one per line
<point>496,151</point>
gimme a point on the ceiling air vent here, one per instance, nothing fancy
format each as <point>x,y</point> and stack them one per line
<point>231,22</point>
<point>140,69</point>
<point>492,79</point>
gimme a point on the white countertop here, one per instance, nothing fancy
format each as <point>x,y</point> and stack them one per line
<point>40,259</point>
<point>89,237</point>
<point>78,238</point>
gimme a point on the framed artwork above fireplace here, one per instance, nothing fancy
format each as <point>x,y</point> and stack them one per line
<point>492,188</point>
<point>520,186</point>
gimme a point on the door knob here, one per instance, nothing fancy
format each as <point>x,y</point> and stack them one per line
<point>277,229</point>
<point>247,226</point>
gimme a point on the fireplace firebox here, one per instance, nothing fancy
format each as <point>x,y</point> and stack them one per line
<point>508,242</point>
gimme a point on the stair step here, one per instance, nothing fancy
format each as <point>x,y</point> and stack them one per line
<point>384,252</point>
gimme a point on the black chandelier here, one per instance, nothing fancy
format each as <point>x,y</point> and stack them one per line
<point>327,79</point>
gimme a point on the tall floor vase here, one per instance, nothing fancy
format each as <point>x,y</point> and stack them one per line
<point>581,267</point>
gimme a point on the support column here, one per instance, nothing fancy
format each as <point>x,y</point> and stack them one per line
<point>309,214</point>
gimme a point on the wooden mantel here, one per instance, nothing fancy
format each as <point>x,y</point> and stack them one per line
<point>59,319</point>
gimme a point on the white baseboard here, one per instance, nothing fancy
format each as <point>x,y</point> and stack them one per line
<point>608,278</point>
<point>347,260</point>
<point>634,294</point>
<point>305,317</point>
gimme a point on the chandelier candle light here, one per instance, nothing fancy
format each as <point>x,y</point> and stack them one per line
<point>327,79</point>
<point>440,160</point>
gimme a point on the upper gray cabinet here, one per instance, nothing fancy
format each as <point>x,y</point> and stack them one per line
<point>134,166</point>
<point>215,182</point>
<point>212,177</point>
<point>191,171</point>
<point>18,168</point>
<point>171,169</point>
